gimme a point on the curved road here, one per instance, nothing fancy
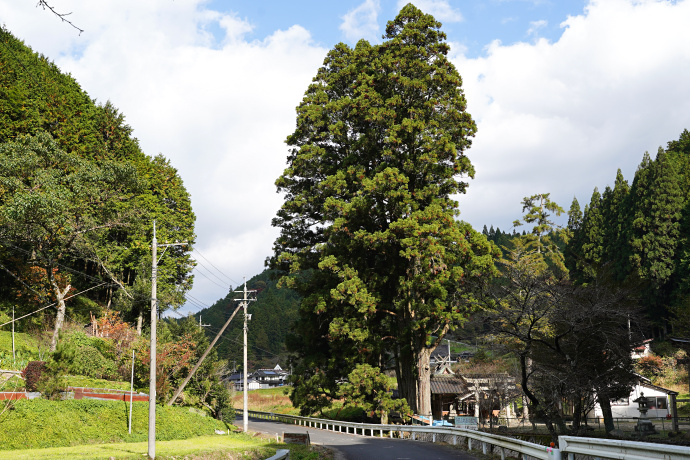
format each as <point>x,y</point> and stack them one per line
<point>352,447</point>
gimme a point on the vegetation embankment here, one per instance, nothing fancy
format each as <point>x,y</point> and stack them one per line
<point>266,400</point>
<point>236,447</point>
<point>99,429</point>
<point>45,423</point>
<point>277,400</point>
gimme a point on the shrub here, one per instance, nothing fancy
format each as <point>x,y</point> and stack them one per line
<point>32,374</point>
<point>650,366</point>
<point>89,361</point>
<point>52,382</point>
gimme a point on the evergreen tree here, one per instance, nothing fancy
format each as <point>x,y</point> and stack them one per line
<point>38,99</point>
<point>656,227</point>
<point>679,152</point>
<point>613,218</point>
<point>574,216</point>
<point>369,236</point>
<point>538,209</point>
<point>592,239</point>
<point>574,244</point>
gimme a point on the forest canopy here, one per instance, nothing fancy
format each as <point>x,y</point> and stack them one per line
<point>78,198</point>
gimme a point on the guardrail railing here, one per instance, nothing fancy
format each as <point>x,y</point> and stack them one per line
<point>614,448</point>
<point>283,454</point>
<point>474,439</point>
<point>569,446</point>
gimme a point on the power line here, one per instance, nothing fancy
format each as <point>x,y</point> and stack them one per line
<point>230,339</point>
<point>54,303</point>
<point>59,265</point>
<point>219,271</point>
<point>204,275</point>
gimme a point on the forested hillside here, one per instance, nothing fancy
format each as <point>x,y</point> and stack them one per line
<point>273,314</point>
<point>78,198</point>
<point>640,233</point>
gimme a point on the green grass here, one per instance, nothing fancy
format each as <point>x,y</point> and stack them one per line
<point>239,445</point>
<point>233,446</point>
<point>44,423</point>
<point>26,349</point>
<point>683,407</point>
<point>88,382</point>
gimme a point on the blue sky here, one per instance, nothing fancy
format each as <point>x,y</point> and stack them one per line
<point>473,24</point>
<point>563,92</point>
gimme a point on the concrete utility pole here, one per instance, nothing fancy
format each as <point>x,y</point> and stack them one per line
<point>244,304</point>
<point>202,325</point>
<point>152,377</point>
<point>14,358</point>
<point>201,360</point>
<point>154,317</point>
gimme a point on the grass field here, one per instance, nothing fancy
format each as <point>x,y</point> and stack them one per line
<point>26,349</point>
<point>235,446</point>
<point>266,400</point>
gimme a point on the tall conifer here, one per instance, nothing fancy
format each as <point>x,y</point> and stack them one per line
<point>591,232</point>
<point>369,234</point>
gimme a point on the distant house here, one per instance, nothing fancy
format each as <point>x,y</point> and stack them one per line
<point>626,408</point>
<point>262,378</point>
<point>269,378</point>
<point>442,353</point>
<point>643,350</point>
<point>236,381</point>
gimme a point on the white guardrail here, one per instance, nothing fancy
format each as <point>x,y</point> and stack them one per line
<point>569,446</point>
<point>283,454</point>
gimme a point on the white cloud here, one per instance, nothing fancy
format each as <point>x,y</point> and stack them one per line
<point>220,110</point>
<point>362,22</point>
<point>439,9</point>
<point>562,117</point>
<point>556,117</point>
<point>535,26</point>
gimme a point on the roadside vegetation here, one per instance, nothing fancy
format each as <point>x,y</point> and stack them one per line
<point>236,447</point>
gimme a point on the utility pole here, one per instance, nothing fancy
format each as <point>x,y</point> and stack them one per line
<point>201,360</point>
<point>152,378</point>
<point>14,358</point>
<point>202,325</point>
<point>244,304</point>
<point>154,317</point>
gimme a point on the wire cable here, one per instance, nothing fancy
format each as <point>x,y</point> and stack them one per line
<point>219,271</point>
<point>54,303</point>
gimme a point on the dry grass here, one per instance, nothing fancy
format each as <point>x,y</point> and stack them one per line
<point>268,400</point>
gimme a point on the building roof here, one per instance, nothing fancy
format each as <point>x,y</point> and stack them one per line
<point>448,384</point>
<point>649,384</point>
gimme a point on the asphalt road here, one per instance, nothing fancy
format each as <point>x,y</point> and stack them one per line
<point>352,447</point>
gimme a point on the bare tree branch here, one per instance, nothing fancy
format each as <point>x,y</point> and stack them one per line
<point>44,5</point>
